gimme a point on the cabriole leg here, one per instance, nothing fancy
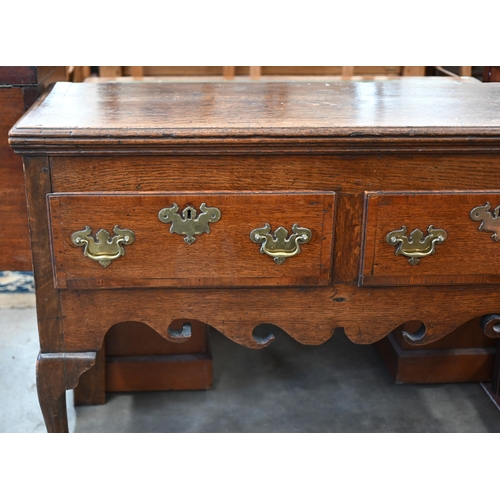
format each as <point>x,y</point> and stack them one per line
<point>55,374</point>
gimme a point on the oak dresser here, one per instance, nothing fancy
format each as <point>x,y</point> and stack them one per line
<point>310,206</point>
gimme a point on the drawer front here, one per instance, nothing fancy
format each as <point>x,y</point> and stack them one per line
<point>454,246</point>
<point>172,239</point>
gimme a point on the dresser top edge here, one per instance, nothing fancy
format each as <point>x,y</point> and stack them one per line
<point>162,115</point>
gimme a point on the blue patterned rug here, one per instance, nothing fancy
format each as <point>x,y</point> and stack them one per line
<point>16,282</point>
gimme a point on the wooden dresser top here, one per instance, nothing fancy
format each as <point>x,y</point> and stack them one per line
<point>159,113</point>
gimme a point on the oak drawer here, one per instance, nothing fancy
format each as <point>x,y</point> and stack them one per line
<point>463,254</point>
<point>225,256</point>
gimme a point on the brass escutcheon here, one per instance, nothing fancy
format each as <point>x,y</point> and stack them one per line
<point>104,248</point>
<point>416,246</point>
<point>490,221</point>
<point>279,247</point>
<point>190,223</point>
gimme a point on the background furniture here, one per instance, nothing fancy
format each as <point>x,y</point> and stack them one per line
<point>20,86</point>
<point>215,73</point>
<point>257,72</point>
<point>491,74</point>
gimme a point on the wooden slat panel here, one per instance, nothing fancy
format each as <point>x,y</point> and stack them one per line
<point>255,72</point>
<point>347,71</point>
<point>137,71</point>
<point>79,73</point>
<point>110,71</point>
<point>158,71</point>
<point>228,72</point>
<point>413,71</point>
<point>325,70</point>
<point>465,71</point>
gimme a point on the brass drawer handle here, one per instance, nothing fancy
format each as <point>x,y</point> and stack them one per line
<point>103,249</point>
<point>190,223</point>
<point>489,221</point>
<point>416,246</point>
<point>279,247</point>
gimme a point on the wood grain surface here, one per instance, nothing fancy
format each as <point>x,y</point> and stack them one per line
<point>135,358</point>
<point>185,372</point>
<point>310,315</point>
<point>48,307</point>
<point>108,154</point>
<point>137,339</point>
<point>18,75</point>
<point>20,86</point>
<point>32,76</point>
<point>465,355</point>
<point>343,173</point>
<point>466,256</point>
<point>14,234</point>
<point>224,257</point>
<point>292,115</point>
<point>55,374</point>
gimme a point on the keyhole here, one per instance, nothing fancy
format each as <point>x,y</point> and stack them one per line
<point>188,213</point>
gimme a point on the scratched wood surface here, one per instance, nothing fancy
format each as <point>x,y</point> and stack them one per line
<point>404,110</point>
<point>224,257</point>
<point>466,256</point>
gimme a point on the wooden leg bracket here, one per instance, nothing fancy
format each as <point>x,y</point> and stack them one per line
<point>55,374</point>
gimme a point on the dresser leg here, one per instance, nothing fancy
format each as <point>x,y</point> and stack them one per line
<point>495,382</point>
<point>491,326</point>
<point>55,374</point>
